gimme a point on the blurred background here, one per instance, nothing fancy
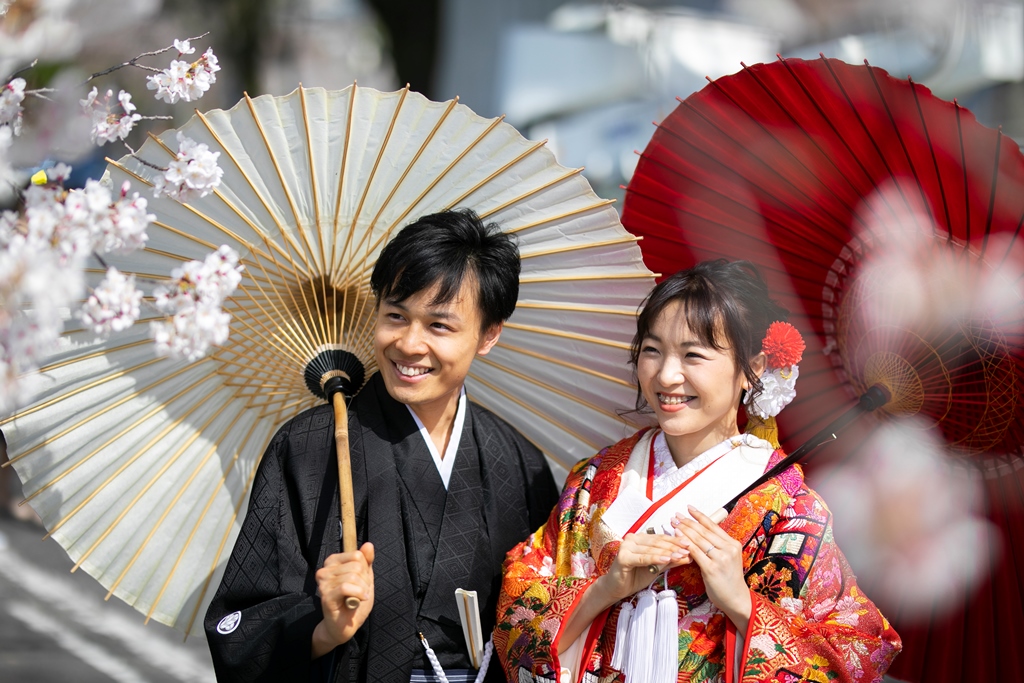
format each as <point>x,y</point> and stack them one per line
<point>590,77</point>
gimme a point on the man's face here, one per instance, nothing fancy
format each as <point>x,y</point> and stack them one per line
<point>424,350</point>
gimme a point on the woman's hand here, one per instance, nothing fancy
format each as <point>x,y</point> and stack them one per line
<point>720,558</point>
<point>630,572</point>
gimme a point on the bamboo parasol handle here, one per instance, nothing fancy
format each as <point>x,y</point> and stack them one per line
<point>348,502</point>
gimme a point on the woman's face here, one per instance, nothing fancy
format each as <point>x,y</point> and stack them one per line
<point>694,389</point>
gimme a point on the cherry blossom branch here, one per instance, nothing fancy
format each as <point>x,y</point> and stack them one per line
<point>41,93</point>
<point>22,70</point>
<point>134,61</point>
<point>142,161</point>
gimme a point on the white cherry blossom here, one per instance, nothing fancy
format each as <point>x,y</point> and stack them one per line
<point>11,97</point>
<point>107,125</point>
<point>193,303</point>
<point>184,47</point>
<point>58,173</point>
<point>182,80</point>
<point>194,173</point>
<point>113,305</point>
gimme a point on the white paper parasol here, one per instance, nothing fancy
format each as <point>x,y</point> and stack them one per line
<point>140,466</point>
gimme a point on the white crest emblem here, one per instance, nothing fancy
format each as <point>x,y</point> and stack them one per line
<point>229,623</point>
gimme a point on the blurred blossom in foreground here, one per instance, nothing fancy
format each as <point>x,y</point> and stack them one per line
<point>11,97</point>
<point>113,305</point>
<point>35,290</point>
<point>34,28</point>
<point>907,518</point>
<point>194,173</point>
<point>193,303</point>
<point>916,279</point>
<point>42,267</point>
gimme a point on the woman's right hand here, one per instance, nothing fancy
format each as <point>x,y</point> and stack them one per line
<point>630,572</point>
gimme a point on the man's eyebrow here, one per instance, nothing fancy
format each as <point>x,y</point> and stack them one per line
<point>442,314</point>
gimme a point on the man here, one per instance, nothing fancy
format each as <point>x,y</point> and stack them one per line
<point>443,488</point>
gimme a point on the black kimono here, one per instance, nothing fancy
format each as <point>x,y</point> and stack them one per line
<point>427,542</point>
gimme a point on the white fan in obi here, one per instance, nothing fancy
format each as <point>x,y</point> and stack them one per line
<point>140,466</point>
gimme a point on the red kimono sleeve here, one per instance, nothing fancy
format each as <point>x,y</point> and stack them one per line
<point>544,577</point>
<point>830,632</point>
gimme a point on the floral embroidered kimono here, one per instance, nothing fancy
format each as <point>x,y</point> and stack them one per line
<point>809,620</point>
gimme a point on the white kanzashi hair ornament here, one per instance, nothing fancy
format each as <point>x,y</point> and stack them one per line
<point>783,348</point>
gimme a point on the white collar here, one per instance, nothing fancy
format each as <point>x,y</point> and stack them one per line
<point>446,464</point>
<point>673,476</point>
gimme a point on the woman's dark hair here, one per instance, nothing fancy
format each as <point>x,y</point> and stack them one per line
<point>720,298</point>
<point>441,248</point>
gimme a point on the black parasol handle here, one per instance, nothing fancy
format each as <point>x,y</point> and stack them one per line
<point>872,399</point>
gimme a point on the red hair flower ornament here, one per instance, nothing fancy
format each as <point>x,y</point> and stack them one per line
<point>783,348</point>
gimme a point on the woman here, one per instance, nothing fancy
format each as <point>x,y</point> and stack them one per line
<point>766,596</point>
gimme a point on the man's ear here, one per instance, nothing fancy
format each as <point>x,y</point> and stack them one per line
<point>489,339</point>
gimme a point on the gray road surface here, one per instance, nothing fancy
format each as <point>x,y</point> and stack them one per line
<point>55,626</point>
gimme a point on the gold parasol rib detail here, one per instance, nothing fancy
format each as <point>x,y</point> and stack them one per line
<point>571,173</point>
<point>373,172</point>
<point>227,531</point>
<point>527,152</point>
<point>324,313</point>
<point>583,278</point>
<point>88,457</point>
<point>170,506</point>
<point>547,387</point>
<point>189,207</point>
<point>74,392</point>
<point>152,442</point>
<point>341,191</point>
<point>90,356</point>
<point>568,335</point>
<point>272,246</point>
<point>202,515</point>
<point>577,247</point>
<point>561,217</point>
<point>566,364</point>
<point>103,411</point>
<point>522,404</point>
<point>311,311</point>
<point>361,263</point>
<point>413,204</point>
<point>576,308</point>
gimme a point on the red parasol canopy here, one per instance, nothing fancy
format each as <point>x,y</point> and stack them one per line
<point>819,172</point>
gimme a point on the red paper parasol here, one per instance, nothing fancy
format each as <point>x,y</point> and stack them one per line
<point>814,171</point>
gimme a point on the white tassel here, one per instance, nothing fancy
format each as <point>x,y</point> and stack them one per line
<point>621,637</point>
<point>436,665</point>
<point>666,639</point>
<point>640,667</point>
<point>488,651</point>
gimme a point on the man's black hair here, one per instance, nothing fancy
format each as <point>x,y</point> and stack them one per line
<point>441,249</point>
